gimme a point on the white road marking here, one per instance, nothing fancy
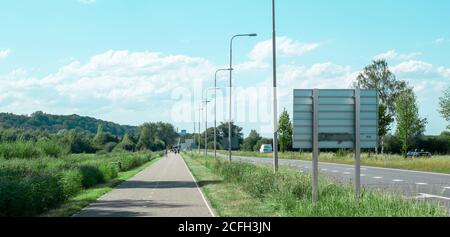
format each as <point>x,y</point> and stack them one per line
<point>377,177</point>
<point>426,195</point>
<point>335,171</point>
<point>397,180</point>
<point>199,189</point>
<point>421,184</point>
<point>363,175</point>
<point>347,173</point>
<point>324,169</point>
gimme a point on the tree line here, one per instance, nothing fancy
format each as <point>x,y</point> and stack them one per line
<point>55,123</point>
<point>149,136</point>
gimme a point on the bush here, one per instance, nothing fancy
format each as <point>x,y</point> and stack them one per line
<point>30,187</point>
<point>30,195</point>
<point>50,148</point>
<point>72,182</point>
<point>91,176</point>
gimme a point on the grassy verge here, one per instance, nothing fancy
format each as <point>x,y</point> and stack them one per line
<point>247,190</point>
<point>88,196</point>
<point>438,164</point>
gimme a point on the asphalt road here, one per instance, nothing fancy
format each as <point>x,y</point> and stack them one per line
<point>165,189</point>
<point>413,184</point>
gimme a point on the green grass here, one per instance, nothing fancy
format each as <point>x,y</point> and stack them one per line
<point>247,190</point>
<point>88,196</point>
<point>437,164</point>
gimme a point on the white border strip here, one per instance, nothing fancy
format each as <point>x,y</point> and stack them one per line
<point>199,189</point>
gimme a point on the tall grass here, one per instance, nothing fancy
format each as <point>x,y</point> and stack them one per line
<point>289,193</point>
<point>29,187</point>
<point>30,149</point>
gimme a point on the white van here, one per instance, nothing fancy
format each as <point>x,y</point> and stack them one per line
<point>266,148</point>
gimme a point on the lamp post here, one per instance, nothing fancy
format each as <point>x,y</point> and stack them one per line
<point>206,101</point>
<point>231,86</point>
<point>215,109</point>
<point>275,104</point>
<point>199,127</point>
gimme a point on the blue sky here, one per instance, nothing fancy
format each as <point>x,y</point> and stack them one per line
<point>128,61</point>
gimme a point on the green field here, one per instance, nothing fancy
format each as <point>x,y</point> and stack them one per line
<point>438,164</point>
<point>32,186</point>
<point>247,190</point>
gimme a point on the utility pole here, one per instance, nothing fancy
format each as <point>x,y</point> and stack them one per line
<point>275,103</point>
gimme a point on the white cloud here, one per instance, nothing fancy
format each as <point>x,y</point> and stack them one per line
<point>445,72</point>
<point>322,76</point>
<point>393,55</point>
<point>412,66</point>
<point>4,53</point>
<point>118,75</point>
<point>123,86</point>
<point>439,40</point>
<point>285,47</point>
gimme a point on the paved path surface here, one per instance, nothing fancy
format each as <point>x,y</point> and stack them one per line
<point>165,189</point>
<point>418,185</point>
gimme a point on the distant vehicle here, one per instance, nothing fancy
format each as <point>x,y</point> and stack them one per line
<point>266,148</point>
<point>418,154</point>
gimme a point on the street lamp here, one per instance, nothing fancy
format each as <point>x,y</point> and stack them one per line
<point>215,109</point>
<point>200,109</point>
<point>206,101</point>
<point>231,86</point>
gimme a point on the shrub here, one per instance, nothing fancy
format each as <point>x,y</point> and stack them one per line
<point>30,195</point>
<point>50,148</point>
<point>30,187</point>
<point>108,172</point>
<point>91,176</point>
<point>72,182</point>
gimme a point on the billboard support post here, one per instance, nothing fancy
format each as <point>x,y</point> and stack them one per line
<point>335,119</point>
<point>357,143</point>
<point>315,154</point>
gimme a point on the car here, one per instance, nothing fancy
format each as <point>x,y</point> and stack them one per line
<point>418,154</point>
<point>266,148</point>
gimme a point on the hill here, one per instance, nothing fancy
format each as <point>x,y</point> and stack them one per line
<point>55,123</point>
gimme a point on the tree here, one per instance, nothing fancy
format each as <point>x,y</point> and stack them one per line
<point>409,124</point>
<point>146,136</point>
<point>166,133</point>
<point>285,132</point>
<point>102,138</point>
<point>384,124</point>
<point>236,134</point>
<point>444,103</point>
<point>127,144</point>
<point>251,140</point>
<point>377,76</point>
